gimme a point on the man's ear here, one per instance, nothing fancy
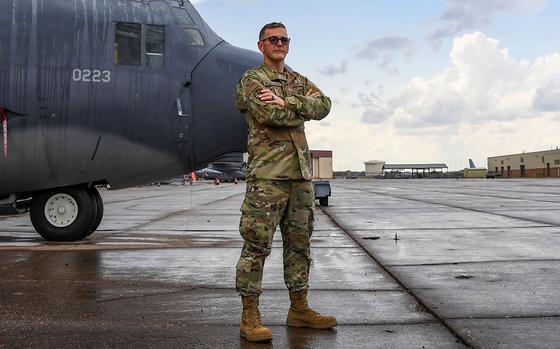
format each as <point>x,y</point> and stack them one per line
<point>260,45</point>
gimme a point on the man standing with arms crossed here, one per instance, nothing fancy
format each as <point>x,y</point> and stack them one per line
<point>276,103</point>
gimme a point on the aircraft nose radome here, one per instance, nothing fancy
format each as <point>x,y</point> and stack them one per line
<point>219,127</point>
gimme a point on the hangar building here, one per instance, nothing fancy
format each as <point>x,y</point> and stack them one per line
<point>374,167</point>
<point>322,164</point>
<point>539,164</point>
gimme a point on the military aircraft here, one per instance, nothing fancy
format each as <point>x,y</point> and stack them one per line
<point>229,168</point>
<point>109,93</point>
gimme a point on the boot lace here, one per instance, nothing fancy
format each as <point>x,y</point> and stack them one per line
<point>253,318</point>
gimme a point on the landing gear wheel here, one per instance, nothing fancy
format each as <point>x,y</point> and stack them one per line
<point>99,202</point>
<point>324,201</point>
<point>63,214</point>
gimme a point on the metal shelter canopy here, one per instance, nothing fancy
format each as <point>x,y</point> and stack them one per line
<point>416,167</point>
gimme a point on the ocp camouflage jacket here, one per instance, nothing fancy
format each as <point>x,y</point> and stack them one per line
<point>278,149</point>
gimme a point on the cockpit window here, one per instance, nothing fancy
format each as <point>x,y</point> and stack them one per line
<point>155,45</point>
<point>193,37</point>
<point>182,16</point>
<point>128,44</point>
<point>129,39</point>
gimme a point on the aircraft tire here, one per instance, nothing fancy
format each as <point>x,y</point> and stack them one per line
<point>324,201</point>
<point>96,197</point>
<point>64,214</point>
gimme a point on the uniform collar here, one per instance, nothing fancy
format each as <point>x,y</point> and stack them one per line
<point>272,75</point>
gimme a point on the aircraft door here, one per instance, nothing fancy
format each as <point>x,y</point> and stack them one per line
<point>183,105</point>
<point>190,47</point>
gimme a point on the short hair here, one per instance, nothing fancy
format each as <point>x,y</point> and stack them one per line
<point>270,26</point>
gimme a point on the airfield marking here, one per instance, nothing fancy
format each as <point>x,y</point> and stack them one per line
<point>175,213</point>
<point>197,189</point>
<point>493,196</point>
<point>455,206</point>
<point>473,262</point>
<point>422,305</point>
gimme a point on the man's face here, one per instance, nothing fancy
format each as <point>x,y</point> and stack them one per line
<point>278,52</point>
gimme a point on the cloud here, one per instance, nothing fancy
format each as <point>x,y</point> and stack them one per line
<point>383,51</point>
<point>547,96</point>
<point>331,70</point>
<point>468,15</point>
<point>375,110</point>
<point>483,83</point>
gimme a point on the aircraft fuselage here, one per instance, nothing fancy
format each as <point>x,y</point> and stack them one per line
<point>109,92</point>
<point>93,90</point>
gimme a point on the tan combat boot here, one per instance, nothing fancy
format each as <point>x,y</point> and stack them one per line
<point>300,315</point>
<point>251,327</point>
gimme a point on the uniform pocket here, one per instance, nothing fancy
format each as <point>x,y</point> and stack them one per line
<point>277,91</point>
<point>297,90</point>
<point>255,203</point>
<point>244,265</point>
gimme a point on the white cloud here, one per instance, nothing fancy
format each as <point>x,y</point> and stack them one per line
<point>375,110</point>
<point>467,15</point>
<point>383,51</point>
<point>483,83</point>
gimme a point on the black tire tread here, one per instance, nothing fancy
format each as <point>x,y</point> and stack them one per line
<point>87,212</point>
<point>100,209</point>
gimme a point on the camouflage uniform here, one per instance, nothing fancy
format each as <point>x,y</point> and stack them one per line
<point>279,190</point>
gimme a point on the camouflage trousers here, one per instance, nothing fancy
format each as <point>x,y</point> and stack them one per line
<point>268,204</point>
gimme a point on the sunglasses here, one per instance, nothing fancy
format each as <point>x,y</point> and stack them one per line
<point>275,39</point>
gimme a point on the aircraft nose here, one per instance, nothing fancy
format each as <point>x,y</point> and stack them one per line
<point>218,127</point>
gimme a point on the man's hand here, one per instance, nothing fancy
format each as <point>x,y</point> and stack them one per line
<point>310,93</point>
<point>269,97</point>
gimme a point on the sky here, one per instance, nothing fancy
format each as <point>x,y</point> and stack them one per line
<point>417,81</point>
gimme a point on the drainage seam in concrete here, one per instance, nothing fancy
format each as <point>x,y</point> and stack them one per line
<point>455,206</point>
<point>138,199</point>
<point>314,289</point>
<point>474,262</point>
<point>508,317</point>
<point>451,330</point>
<point>159,219</point>
<point>202,189</point>
<point>493,196</point>
<point>486,190</point>
<point>196,288</point>
<point>381,230</point>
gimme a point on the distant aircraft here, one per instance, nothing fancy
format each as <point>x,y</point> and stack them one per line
<point>472,166</point>
<point>227,168</point>
<point>109,93</point>
<point>209,173</point>
<point>474,172</point>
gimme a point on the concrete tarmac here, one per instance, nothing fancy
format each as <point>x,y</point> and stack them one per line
<point>401,263</point>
